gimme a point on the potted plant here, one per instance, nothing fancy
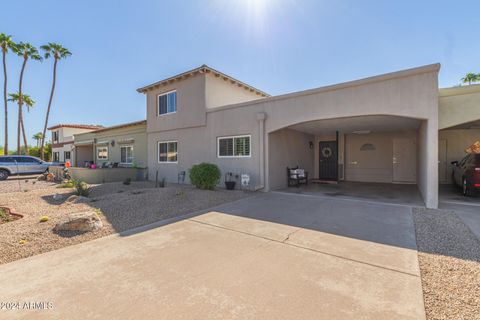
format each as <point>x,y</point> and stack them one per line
<point>230,178</point>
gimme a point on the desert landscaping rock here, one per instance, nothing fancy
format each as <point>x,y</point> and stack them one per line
<point>121,211</point>
<point>82,222</point>
<point>77,199</point>
<point>449,258</point>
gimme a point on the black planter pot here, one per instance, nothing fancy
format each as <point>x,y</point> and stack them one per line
<point>230,185</point>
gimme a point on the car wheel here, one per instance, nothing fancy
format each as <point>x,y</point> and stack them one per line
<point>3,174</point>
<point>466,190</point>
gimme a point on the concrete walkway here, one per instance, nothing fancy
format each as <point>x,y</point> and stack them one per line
<point>271,256</point>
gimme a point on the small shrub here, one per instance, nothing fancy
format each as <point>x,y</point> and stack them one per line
<point>44,219</point>
<point>67,184</point>
<point>127,181</point>
<point>205,175</point>
<point>4,216</point>
<point>82,188</point>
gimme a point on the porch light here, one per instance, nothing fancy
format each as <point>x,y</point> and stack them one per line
<point>310,144</point>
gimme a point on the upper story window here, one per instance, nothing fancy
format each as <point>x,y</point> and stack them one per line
<point>167,103</point>
<point>54,136</point>
<point>234,147</point>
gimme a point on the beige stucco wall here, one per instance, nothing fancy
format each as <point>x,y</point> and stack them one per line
<point>289,148</point>
<point>456,143</point>
<point>220,92</point>
<point>458,105</point>
<point>190,105</point>
<point>196,145</point>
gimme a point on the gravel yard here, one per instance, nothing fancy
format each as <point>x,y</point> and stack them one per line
<point>121,207</point>
<point>449,257</point>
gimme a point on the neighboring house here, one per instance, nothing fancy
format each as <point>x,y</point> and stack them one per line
<point>379,129</point>
<point>125,145</point>
<point>63,138</point>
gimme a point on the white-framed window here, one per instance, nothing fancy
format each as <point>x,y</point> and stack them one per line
<point>233,147</point>
<point>54,136</point>
<point>167,151</point>
<point>167,103</point>
<point>56,156</point>
<point>67,155</point>
<point>102,153</point>
<point>126,154</point>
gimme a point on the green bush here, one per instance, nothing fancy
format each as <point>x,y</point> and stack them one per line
<point>83,189</point>
<point>205,175</point>
<point>67,184</point>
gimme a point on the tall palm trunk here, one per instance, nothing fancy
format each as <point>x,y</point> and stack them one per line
<point>24,137</point>
<point>5,146</point>
<point>20,106</point>
<point>49,105</point>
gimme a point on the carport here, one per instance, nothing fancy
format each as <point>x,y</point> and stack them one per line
<point>382,129</point>
<point>374,152</point>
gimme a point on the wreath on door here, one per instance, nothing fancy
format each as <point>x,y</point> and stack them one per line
<point>327,152</point>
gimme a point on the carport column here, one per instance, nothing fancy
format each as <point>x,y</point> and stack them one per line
<point>261,116</point>
<point>428,162</point>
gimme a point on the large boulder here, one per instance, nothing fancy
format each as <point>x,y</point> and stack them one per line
<point>82,221</point>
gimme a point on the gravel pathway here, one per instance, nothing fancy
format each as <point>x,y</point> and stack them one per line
<point>122,208</point>
<point>449,258</point>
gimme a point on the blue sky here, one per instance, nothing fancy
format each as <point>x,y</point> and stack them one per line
<point>278,46</point>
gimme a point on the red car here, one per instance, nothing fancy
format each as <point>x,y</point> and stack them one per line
<point>466,174</point>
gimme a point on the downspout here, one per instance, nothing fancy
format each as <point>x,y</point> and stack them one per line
<point>261,116</point>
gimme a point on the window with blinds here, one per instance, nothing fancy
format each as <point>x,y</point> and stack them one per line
<point>237,146</point>
<point>167,151</point>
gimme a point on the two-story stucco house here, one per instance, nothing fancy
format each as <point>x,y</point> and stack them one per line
<point>379,129</point>
<point>63,139</point>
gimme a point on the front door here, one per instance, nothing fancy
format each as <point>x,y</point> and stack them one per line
<point>328,160</point>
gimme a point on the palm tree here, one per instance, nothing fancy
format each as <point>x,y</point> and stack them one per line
<point>38,137</point>
<point>25,98</point>
<point>27,51</point>
<point>58,52</point>
<point>6,43</point>
<point>470,77</point>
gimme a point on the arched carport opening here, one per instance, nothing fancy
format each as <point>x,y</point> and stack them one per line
<point>367,149</point>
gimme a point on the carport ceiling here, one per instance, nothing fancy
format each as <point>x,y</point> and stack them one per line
<point>355,124</point>
<point>468,125</point>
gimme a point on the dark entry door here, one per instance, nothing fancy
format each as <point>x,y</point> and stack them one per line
<point>328,160</point>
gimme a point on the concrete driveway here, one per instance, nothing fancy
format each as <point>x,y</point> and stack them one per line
<point>271,256</point>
